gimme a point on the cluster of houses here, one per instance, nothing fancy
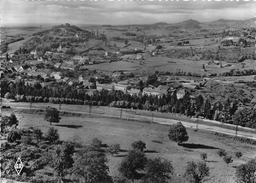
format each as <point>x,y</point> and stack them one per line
<point>125,81</point>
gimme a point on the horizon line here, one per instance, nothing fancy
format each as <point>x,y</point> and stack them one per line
<point>96,24</point>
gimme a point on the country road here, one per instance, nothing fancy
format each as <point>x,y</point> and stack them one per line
<point>130,114</point>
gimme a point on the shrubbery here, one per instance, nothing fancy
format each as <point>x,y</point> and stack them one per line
<point>246,173</point>
<point>227,159</point>
<point>52,135</point>
<point>13,136</point>
<point>114,149</point>
<point>239,154</point>
<point>203,156</point>
<point>138,145</point>
<point>96,144</point>
<point>196,172</point>
<point>221,152</point>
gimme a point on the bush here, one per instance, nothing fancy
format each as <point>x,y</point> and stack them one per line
<point>52,135</point>
<point>239,154</point>
<point>40,163</point>
<point>228,159</point>
<point>96,143</point>
<point>196,172</point>
<point>246,173</point>
<point>178,133</point>
<point>158,170</point>
<point>203,156</point>
<point>13,120</point>
<point>76,141</point>
<point>133,162</point>
<point>114,149</point>
<point>221,152</point>
<point>27,140</point>
<point>5,146</point>
<point>30,154</point>
<point>13,136</point>
<point>138,145</point>
<point>37,134</point>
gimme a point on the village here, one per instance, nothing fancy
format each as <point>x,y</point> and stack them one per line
<point>99,96</point>
<point>60,65</point>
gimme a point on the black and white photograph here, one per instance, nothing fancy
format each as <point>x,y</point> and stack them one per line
<point>128,91</point>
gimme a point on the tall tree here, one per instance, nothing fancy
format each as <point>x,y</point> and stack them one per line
<point>207,108</point>
<point>63,158</point>
<point>158,170</point>
<point>52,115</point>
<point>133,162</point>
<point>178,133</point>
<point>91,167</point>
<point>196,172</point>
<point>199,103</point>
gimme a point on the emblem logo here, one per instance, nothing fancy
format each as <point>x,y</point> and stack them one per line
<point>18,166</point>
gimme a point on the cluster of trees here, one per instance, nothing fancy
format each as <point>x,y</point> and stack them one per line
<point>8,122</point>
<point>232,72</point>
<point>221,110</point>
<point>158,169</point>
<point>245,117</point>
<point>237,72</point>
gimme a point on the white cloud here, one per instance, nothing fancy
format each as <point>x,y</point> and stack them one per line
<point>123,12</point>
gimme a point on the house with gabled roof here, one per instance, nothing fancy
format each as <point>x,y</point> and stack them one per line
<point>56,75</point>
<point>57,65</point>
<point>19,68</point>
<point>67,66</point>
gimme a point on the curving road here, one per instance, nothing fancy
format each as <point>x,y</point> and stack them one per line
<point>132,115</point>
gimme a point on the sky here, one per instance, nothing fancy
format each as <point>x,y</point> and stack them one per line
<point>116,12</point>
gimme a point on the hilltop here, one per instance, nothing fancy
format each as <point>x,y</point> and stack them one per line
<point>64,30</point>
<point>188,24</point>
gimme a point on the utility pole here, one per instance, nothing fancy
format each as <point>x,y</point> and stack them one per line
<point>90,108</point>
<point>197,124</point>
<point>236,130</point>
<point>59,105</point>
<point>30,104</point>
<point>121,113</point>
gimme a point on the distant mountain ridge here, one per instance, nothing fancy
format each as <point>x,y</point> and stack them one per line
<point>225,20</point>
<point>194,24</point>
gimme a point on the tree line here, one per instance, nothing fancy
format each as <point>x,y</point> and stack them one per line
<point>225,111</point>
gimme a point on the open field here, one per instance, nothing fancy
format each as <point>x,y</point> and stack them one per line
<point>152,64</point>
<point>116,66</point>
<point>140,115</point>
<point>124,132</point>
